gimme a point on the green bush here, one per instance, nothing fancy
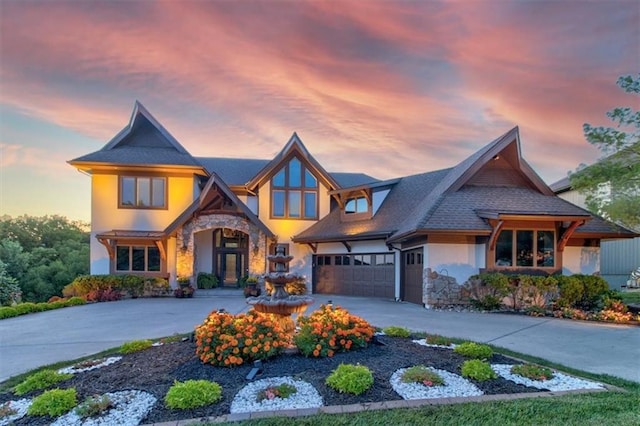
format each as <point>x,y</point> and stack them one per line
<point>581,291</point>
<point>395,331</point>
<point>355,379</point>
<point>135,346</point>
<point>40,380</point>
<point>133,285</point>
<point>532,371</point>
<point>206,280</point>
<point>421,374</point>
<point>436,339</point>
<point>478,370</point>
<point>474,350</point>
<point>192,394</point>
<point>94,406</point>
<point>54,403</point>
<point>486,291</point>
<point>7,312</point>
<point>85,284</point>
<point>155,287</point>
<point>75,301</point>
<point>10,292</point>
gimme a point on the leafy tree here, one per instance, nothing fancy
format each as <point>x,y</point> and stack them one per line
<point>43,254</point>
<point>612,185</point>
<point>9,289</point>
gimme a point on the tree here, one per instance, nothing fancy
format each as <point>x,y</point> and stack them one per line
<point>612,185</point>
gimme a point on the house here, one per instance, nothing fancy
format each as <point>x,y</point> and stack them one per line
<point>618,257</point>
<point>159,211</point>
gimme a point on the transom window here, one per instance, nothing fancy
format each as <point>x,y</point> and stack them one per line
<point>526,248</point>
<point>356,205</point>
<point>143,192</point>
<point>294,192</point>
<point>137,259</point>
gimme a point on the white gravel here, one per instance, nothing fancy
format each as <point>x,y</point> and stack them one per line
<point>423,342</point>
<point>21,406</point>
<point>453,386</point>
<point>306,396</point>
<point>73,369</point>
<point>131,407</point>
<point>560,382</point>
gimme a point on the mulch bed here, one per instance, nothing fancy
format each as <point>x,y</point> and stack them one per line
<point>154,370</point>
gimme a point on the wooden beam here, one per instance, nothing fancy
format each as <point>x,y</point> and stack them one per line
<point>110,250</point>
<point>346,244</point>
<point>314,247</point>
<point>564,238</point>
<point>161,244</point>
<point>493,238</point>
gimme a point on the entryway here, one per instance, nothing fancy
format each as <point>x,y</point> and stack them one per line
<point>411,288</point>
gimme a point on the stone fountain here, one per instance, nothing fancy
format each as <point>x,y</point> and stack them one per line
<point>280,304</point>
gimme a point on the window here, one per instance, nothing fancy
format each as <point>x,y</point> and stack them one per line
<point>143,192</point>
<point>137,259</point>
<point>526,249</point>
<point>294,192</point>
<point>356,205</point>
<point>384,259</point>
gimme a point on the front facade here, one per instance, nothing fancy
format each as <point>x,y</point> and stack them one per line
<point>159,211</point>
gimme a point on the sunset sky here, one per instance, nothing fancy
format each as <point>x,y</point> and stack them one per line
<point>388,88</point>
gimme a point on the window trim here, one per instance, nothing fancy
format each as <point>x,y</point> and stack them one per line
<point>135,178</point>
<point>287,189</point>
<point>146,271</point>
<point>534,249</point>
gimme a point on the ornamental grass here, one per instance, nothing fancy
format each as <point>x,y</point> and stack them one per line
<point>228,340</point>
<point>331,329</point>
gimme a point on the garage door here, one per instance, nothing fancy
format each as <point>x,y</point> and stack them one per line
<point>369,275</point>
<point>412,265</point>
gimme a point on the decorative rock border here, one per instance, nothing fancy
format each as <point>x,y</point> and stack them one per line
<point>74,369</point>
<point>423,342</point>
<point>454,386</point>
<point>306,396</point>
<point>20,406</point>
<point>560,381</point>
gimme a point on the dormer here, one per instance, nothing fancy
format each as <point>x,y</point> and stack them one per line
<point>362,202</point>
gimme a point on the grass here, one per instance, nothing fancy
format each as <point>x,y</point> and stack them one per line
<point>630,296</point>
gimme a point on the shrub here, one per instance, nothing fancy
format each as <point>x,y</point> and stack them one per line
<point>26,308</point>
<point>533,372</point>
<point>581,291</point>
<point>135,346</point>
<point>283,391</point>
<point>421,374</point>
<point>206,280</point>
<point>40,380</point>
<point>55,299</point>
<point>10,292</point>
<point>103,295</point>
<point>331,329</point>
<point>94,406</point>
<point>227,340</point>
<point>155,287</point>
<point>478,370</point>
<point>75,301</point>
<point>7,312</point>
<point>487,290</point>
<point>436,339</point>
<point>83,284</point>
<point>133,285</point>
<point>350,378</point>
<point>53,403</point>
<point>192,394</point>
<point>474,350</point>
<point>395,331</point>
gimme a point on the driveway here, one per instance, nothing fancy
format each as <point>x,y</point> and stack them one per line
<point>44,338</point>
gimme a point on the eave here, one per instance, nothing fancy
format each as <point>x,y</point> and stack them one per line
<point>91,167</point>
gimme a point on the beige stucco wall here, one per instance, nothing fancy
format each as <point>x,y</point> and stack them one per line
<point>580,260</point>
<point>106,216</point>
<point>459,261</point>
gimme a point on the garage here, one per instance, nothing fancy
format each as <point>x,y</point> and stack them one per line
<point>366,275</point>
<point>411,289</point>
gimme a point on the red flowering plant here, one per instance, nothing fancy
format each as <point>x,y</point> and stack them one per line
<point>228,340</point>
<point>331,329</point>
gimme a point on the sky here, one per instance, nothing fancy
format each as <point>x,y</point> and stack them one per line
<point>387,88</point>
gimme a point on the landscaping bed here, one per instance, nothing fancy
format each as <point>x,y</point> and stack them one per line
<point>155,370</point>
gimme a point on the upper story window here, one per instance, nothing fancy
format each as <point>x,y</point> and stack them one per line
<point>294,192</point>
<point>356,205</point>
<point>143,192</point>
<point>525,249</point>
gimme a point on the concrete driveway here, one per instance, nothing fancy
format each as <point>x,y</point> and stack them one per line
<point>35,340</point>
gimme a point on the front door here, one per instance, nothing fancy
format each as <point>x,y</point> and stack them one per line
<point>230,268</point>
<point>230,253</point>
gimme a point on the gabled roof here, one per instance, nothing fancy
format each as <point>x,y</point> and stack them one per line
<point>294,146</point>
<point>143,142</point>
<point>205,196</point>
<point>461,174</point>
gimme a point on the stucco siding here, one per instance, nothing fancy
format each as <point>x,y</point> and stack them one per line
<point>580,260</point>
<point>459,261</point>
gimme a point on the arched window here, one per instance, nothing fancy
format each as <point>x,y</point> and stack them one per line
<point>294,192</point>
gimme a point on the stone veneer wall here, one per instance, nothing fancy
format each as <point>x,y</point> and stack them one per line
<point>441,290</point>
<point>186,253</point>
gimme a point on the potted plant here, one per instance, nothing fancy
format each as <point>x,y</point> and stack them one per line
<point>182,292</point>
<point>250,286</point>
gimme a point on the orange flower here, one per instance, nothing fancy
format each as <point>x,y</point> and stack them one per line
<point>330,352</point>
<point>316,353</point>
<point>248,342</point>
<point>254,349</point>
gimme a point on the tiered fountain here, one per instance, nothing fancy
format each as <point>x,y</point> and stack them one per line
<point>280,304</point>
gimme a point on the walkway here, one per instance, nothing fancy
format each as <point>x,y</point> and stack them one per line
<point>35,340</point>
